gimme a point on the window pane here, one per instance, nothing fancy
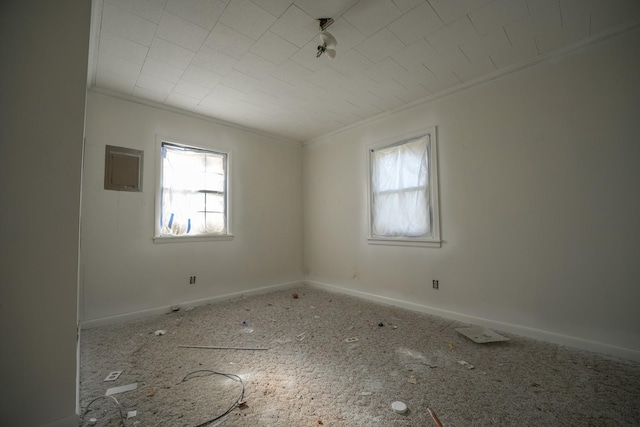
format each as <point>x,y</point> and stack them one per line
<point>401,214</point>
<point>214,203</point>
<point>399,190</point>
<point>215,223</point>
<point>193,182</point>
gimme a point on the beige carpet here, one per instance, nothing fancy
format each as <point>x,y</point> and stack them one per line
<point>311,376</point>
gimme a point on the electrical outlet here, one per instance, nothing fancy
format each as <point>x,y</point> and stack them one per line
<point>192,280</point>
<point>435,284</point>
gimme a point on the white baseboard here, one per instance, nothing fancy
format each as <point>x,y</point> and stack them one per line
<point>539,334</point>
<point>109,320</point>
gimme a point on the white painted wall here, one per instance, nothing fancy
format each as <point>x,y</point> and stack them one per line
<point>125,272</point>
<point>540,208</point>
<point>42,85</point>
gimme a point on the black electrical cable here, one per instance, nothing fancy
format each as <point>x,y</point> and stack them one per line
<point>104,397</point>
<point>237,403</point>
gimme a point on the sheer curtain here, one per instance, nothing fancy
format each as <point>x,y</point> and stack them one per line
<point>400,190</point>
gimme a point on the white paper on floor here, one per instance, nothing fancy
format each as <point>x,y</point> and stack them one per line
<point>481,335</point>
<point>121,389</point>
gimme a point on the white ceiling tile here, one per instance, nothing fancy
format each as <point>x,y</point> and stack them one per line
<point>276,87</point>
<point>615,13</point>
<point>515,54</point>
<point>117,65</point>
<point>474,69</point>
<point>248,18</point>
<point>371,15</point>
<point>386,94</point>
<point>406,5</point>
<point>443,82</point>
<point>204,13</point>
<point>536,5</point>
<point>453,35</point>
<point>346,35</point>
<point>274,7</point>
<point>115,82</point>
<point>148,9</point>
<point>155,84</point>
<point>573,28</point>
<point>151,95</point>
<point>539,22</point>
<point>486,45</point>
<point>325,8</point>
<point>416,24</point>
<point>296,26</point>
<point>192,90</point>
<point>384,71</point>
<point>415,54</point>
<point>201,76</point>
<point>214,61</point>
<point>365,101</point>
<point>605,14</point>
<point>292,73</point>
<point>264,100</point>
<point>181,101</point>
<point>127,25</point>
<point>496,15</point>
<point>413,93</point>
<point>418,75</point>
<point>452,10</point>
<point>255,66</point>
<point>443,64</point>
<point>117,46</point>
<point>380,45</point>
<point>350,63</point>
<point>181,32</point>
<point>215,108</point>
<point>223,93</point>
<point>240,81</point>
<point>170,53</point>
<point>228,41</point>
<point>328,78</point>
<point>162,70</point>
<point>274,48</point>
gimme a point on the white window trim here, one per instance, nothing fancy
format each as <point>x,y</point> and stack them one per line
<point>433,241</point>
<point>157,237</point>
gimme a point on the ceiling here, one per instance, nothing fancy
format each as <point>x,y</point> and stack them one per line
<point>253,62</point>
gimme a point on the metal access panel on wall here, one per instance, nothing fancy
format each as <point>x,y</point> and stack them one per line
<point>123,169</point>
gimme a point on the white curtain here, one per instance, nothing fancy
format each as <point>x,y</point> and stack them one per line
<point>193,191</point>
<point>400,190</point>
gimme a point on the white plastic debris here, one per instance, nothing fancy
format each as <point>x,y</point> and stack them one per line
<point>399,407</point>
<point>160,332</point>
<point>93,421</point>
<point>113,376</point>
<point>465,364</point>
<point>354,339</point>
<point>121,389</point>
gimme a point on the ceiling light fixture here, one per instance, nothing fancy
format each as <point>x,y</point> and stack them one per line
<point>327,41</point>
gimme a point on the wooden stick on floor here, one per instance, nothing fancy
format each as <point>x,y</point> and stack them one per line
<point>435,417</point>
<point>220,348</point>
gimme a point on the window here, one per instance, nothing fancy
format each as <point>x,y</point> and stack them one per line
<point>403,192</point>
<point>193,195</point>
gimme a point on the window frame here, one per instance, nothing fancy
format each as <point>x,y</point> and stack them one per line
<point>163,238</point>
<point>434,239</point>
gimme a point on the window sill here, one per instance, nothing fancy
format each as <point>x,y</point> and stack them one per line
<point>201,238</point>
<point>406,242</point>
